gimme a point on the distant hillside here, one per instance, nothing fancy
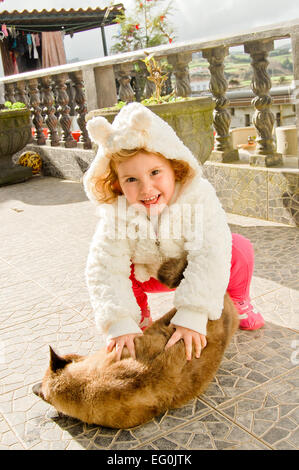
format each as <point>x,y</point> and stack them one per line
<point>238,70</point>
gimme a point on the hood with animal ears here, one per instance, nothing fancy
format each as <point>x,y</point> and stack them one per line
<point>135,126</point>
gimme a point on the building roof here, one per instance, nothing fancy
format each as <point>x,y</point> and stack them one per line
<point>243,97</point>
<point>279,95</point>
<point>70,21</point>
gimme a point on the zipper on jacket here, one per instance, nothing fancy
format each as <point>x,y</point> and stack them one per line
<point>161,258</point>
<point>157,242</point>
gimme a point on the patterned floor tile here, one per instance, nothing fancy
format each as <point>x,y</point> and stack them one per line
<point>209,432</point>
<point>26,301</point>
<point>44,301</point>
<point>38,425</point>
<point>34,421</point>
<point>25,346</point>
<point>271,412</point>
<point>253,358</point>
<point>243,221</point>
<point>44,191</point>
<point>281,306</point>
<point>53,269</point>
<point>276,251</point>
<point>46,256</point>
<point>21,235</point>
<point>111,439</point>
<point>10,275</point>
<point>260,286</point>
<point>8,439</point>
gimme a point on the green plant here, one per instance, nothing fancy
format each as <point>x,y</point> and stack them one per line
<point>156,74</point>
<point>148,27</point>
<point>16,105</point>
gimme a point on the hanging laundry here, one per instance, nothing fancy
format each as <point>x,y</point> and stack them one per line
<point>14,63</point>
<point>35,53</point>
<point>29,43</point>
<point>37,39</point>
<point>53,52</point>
<point>12,31</point>
<point>4,30</point>
<point>20,47</point>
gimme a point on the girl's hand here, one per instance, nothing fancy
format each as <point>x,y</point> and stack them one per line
<point>189,337</point>
<point>119,342</point>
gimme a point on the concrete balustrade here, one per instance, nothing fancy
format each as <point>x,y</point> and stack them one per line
<point>101,82</point>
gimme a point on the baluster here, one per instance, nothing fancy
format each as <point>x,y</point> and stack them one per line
<point>180,63</point>
<point>167,89</point>
<point>49,110</point>
<point>71,94</point>
<point>42,99</point>
<point>64,110</point>
<point>21,92</point>
<point>81,107</point>
<point>263,118</point>
<point>17,92</point>
<point>138,84</point>
<point>218,86</point>
<point>9,92</point>
<point>123,75</point>
<point>36,110</point>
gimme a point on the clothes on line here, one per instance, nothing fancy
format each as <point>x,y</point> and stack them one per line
<point>24,51</point>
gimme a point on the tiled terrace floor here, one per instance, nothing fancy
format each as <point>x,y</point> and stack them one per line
<point>46,226</point>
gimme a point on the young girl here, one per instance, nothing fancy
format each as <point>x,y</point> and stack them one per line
<point>146,182</point>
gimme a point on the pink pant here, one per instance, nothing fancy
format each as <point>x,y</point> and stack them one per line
<point>241,270</point>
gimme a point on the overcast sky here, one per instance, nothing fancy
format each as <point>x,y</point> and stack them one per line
<point>193,19</point>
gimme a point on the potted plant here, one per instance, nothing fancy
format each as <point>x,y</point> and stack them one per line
<point>191,118</point>
<point>149,25</point>
<point>15,133</point>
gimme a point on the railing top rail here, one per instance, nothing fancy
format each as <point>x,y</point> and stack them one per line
<point>263,33</point>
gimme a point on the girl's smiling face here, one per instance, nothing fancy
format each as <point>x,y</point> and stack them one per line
<point>147,179</point>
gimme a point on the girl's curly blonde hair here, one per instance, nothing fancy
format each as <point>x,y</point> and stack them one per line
<point>107,186</point>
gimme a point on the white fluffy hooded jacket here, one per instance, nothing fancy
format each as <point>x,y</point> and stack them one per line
<point>193,224</point>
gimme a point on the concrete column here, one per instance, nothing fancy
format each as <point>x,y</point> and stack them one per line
<point>90,89</point>
<point>105,86</point>
<point>100,87</point>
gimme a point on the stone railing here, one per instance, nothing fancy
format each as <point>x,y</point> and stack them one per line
<point>51,92</point>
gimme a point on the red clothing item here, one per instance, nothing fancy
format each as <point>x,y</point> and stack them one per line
<point>242,264</point>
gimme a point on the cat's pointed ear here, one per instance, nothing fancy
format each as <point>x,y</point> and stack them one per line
<point>57,362</point>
